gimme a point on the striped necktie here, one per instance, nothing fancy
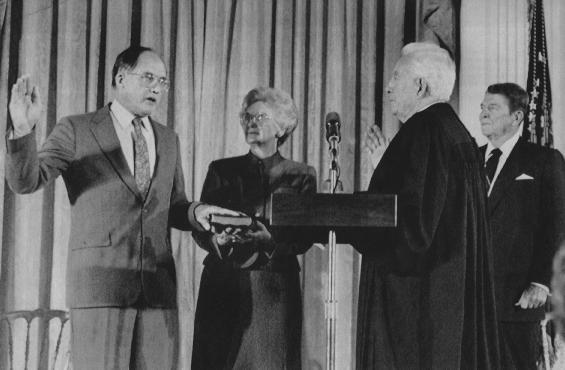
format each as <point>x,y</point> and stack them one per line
<point>492,164</point>
<point>141,157</point>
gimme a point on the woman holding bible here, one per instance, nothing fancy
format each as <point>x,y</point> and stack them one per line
<point>249,310</point>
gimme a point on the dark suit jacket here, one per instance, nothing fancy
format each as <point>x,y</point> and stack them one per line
<point>119,241</point>
<point>245,184</point>
<point>528,224</point>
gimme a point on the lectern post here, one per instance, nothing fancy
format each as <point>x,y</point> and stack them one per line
<point>331,303</point>
<point>330,213</point>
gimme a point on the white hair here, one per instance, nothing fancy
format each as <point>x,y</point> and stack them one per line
<point>434,65</point>
<point>284,109</point>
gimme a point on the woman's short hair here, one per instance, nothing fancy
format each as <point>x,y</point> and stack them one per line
<point>433,64</point>
<point>281,104</point>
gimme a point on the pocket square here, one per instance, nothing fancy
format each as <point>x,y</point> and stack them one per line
<point>524,177</point>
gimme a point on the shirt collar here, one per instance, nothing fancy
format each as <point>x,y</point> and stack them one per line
<point>507,146</point>
<point>124,116</point>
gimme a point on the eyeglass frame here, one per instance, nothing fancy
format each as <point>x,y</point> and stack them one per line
<point>254,118</point>
<point>149,80</point>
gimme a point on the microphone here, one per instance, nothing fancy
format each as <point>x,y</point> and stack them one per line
<point>333,125</point>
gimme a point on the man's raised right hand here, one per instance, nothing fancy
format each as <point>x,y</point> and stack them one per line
<point>25,106</point>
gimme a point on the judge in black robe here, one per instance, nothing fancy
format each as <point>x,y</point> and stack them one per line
<point>426,297</point>
<point>249,311</point>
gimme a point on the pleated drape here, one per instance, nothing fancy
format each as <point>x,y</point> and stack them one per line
<point>331,55</point>
<point>555,28</point>
<point>494,48</point>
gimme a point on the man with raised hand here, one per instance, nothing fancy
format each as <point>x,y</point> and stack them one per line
<point>125,184</point>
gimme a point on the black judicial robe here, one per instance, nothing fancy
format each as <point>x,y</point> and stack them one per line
<point>426,296</point>
<point>251,317</point>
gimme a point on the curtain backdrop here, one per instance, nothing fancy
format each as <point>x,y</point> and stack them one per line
<point>555,29</point>
<point>332,55</point>
<point>494,48</point>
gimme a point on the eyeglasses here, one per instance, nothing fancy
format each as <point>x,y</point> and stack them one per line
<point>247,118</point>
<point>149,80</point>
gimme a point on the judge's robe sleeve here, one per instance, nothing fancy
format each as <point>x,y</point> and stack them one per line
<point>416,168</point>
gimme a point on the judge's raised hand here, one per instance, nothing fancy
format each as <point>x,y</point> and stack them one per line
<point>532,297</point>
<point>25,106</point>
<point>203,212</point>
<point>376,143</point>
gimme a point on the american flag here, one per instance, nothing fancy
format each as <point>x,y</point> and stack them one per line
<point>539,88</point>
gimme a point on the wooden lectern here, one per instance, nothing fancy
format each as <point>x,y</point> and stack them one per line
<point>325,212</point>
<point>331,214</point>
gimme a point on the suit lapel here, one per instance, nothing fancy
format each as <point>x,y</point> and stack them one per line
<point>105,135</point>
<point>482,150</point>
<point>506,177</point>
<point>161,143</point>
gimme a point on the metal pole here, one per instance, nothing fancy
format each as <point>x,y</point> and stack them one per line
<point>331,302</point>
<point>545,343</point>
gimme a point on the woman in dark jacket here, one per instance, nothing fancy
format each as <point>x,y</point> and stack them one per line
<point>249,311</point>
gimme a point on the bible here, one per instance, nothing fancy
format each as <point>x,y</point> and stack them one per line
<point>223,221</point>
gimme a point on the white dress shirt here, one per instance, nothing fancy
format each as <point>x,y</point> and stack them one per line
<point>506,149</point>
<point>122,119</point>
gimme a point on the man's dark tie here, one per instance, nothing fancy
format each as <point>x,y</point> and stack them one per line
<point>141,157</point>
<point>492,163</point>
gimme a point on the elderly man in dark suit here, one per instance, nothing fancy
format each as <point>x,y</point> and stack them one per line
<point>526,199</point>
<point>125,184</point>
<point>426,297</point>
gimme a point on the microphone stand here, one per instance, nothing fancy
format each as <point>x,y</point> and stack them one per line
<point>331,302</point>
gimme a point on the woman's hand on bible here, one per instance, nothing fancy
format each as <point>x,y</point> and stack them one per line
<point>258,233</point>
